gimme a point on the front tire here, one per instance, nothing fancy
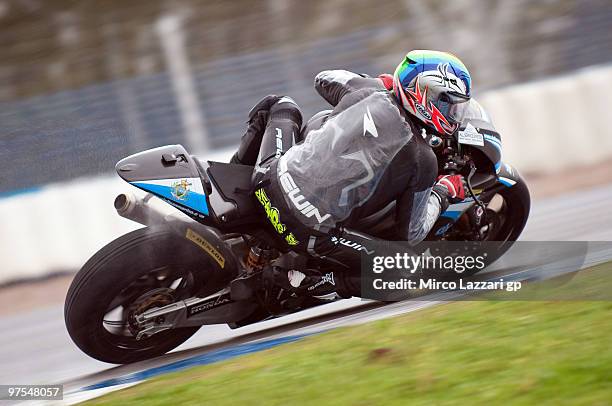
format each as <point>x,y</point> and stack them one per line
<point>507,212</point>
<point>117,276</point>
<point>518,204</point>
<point>515,208</point>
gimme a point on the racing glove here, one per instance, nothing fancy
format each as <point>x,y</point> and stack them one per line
<point>387,80</point>
<point>449,189</point>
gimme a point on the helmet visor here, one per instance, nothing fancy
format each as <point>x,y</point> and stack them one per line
<point>453,106</point>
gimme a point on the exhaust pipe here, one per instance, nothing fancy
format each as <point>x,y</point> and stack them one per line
<point>138,209</point>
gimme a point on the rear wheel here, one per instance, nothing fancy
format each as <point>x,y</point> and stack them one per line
<point>149,267</point>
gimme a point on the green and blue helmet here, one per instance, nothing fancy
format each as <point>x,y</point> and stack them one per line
<point>434,87</point>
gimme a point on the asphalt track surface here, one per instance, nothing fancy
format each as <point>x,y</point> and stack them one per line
<point>35,347</point>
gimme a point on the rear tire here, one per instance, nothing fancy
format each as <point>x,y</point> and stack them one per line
<point>132,265</point>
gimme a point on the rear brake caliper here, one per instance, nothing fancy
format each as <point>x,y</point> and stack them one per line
<point>149,300</point>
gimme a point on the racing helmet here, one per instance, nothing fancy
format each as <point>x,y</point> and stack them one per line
<point>434,87</point>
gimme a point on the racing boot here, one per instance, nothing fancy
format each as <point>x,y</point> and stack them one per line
<point>323,286</point>
<point>282,129</point>
<point>251,140</point>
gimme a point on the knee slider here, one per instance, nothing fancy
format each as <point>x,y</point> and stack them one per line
<point>263,105</point>
<point>286,108</point>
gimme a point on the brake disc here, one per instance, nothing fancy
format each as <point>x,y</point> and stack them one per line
<point>154,298</point>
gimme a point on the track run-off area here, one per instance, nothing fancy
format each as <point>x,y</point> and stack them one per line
<point>36,349</point>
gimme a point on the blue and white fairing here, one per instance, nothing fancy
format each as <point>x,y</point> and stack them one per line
<point>477,131</point>
<point>184,191</point>
<point>169,173</point>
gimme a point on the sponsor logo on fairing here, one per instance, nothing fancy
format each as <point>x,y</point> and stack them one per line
<point>471,136</point>
<point>184,209</point>
<point>294,193</point>
<point>181,189</point>
<point>187,194</point>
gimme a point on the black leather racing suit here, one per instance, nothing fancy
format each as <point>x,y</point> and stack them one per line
<point>368,153</point>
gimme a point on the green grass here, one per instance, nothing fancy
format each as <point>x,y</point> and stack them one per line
<point>457,353</point>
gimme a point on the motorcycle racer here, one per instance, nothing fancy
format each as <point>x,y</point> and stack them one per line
<point>373,149</point>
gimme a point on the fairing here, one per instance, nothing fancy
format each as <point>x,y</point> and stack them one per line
<point>478,132</point>
<point>169,173</point>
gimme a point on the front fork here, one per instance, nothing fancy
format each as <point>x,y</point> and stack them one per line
<point>506,176</point>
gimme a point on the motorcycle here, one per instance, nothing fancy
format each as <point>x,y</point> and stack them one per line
<point>148,291</point>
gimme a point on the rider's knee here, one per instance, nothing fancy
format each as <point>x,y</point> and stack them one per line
<point>286,108</point>
<point>263,105</point>
<point>277,108</point>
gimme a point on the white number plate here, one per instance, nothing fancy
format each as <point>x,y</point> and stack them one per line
<point>471,136</point>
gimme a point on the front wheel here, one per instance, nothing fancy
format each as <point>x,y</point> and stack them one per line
<point>507,214</point>
<point>507,211</point>
<point>149,267</point>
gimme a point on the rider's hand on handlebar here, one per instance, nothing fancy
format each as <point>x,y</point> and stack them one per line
<point>387,80</point>
<point>455,185</point>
